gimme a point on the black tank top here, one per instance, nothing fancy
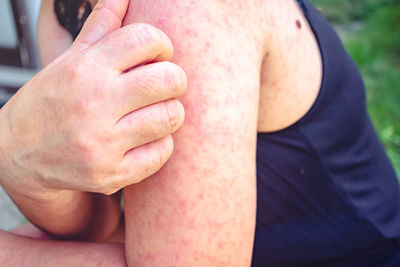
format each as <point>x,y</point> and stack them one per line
<point>327,194</point>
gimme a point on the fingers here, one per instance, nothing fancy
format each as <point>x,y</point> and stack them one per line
<point>140,163</point>
<point>148,124</point>
<point>148,84</point>
<point>132,45</point>
<point>105,18</point>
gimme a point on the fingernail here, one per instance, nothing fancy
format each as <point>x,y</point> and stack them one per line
<point>175,112</point>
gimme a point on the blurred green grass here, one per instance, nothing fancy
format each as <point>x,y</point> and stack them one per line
<point>370,30</point>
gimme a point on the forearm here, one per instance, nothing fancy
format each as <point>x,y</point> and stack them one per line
<point>22,251</point>
<point>71,214</point>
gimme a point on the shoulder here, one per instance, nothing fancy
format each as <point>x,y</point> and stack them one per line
<point>208,20</point>
<point>53,39</point>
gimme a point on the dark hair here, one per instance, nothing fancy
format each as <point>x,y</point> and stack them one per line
<point>72,14</point>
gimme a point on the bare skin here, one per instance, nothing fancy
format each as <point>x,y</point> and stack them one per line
<point>22,251</point>
<point>246,74</point>
<point>199,209</point>
<point>69,138</point>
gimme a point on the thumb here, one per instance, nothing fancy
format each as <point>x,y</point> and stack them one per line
<point>106,17</point>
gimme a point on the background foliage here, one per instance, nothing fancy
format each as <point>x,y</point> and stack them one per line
<point>370,30</point>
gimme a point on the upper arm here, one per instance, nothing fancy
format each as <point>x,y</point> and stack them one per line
<point>53,39</point>
<point>199,209</point>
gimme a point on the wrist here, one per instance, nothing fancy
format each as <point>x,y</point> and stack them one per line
<point>61,214</point>
<point>36,194</point>
<point>17,184</point>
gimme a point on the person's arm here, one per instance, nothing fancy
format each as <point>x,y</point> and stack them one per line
<point>22,251</point>
<point>53,39</point>
<point>93,120</point>
<point>199,209</point>
<point>66,214</point>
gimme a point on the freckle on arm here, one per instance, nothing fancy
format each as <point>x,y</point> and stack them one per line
<point>298,24</point>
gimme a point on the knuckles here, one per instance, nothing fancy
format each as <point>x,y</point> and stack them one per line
<point>94,149</point>
<point>87,93</point>
<point>174,77</point>
<point>98,165</point>
<point>75,69</point>
<point>141,34</point>
<point>170,115</point>
<point>101,174</point>
<point>163,78</point>
<point>88,151</point>
<point>162,152</point>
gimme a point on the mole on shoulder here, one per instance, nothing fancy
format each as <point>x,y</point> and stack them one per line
<point>298,24</point>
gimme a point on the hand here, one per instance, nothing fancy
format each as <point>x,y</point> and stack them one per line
<point>100,116</point>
